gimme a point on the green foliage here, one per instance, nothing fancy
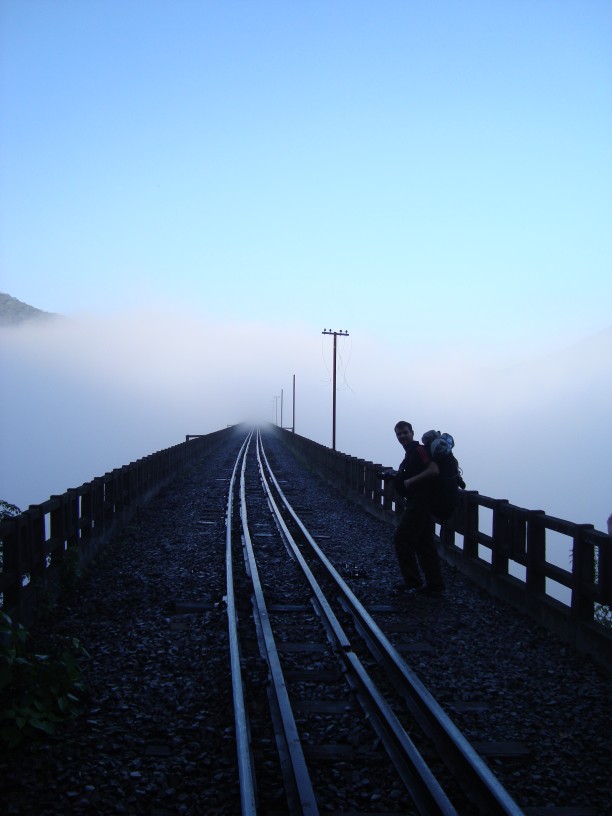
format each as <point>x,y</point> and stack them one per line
<point>36,691</point>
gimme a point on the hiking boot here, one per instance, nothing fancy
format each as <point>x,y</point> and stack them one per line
<point>402,588</point>
<point>432,589</point>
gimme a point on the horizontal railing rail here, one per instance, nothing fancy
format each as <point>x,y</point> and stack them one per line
<point>508,550</point>
<point>43,548</point>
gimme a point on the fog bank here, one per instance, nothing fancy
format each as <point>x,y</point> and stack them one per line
<point>82,396</point>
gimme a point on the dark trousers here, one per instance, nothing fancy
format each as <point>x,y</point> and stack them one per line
<point>415,548</point>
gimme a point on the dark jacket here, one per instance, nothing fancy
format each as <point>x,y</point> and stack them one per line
<point>415,461</point>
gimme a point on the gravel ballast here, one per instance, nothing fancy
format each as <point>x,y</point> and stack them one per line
<point>157,736</point>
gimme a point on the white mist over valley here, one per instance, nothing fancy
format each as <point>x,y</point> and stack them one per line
<point>85,394</point>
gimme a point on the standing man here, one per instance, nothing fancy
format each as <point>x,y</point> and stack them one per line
<point>413,537</point>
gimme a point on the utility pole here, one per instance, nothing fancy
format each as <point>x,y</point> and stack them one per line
<point>336,334</point>
<point>276,399</point>
<point>293,421</point>
<point>281,408</point>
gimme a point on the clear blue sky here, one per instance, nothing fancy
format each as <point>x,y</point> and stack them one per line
<point>205,186</point>
<point>331,162</point>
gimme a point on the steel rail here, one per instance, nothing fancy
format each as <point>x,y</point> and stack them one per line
<point>477,780</point>
<point>243,745</point>
<point>425,790</point>
<point>300,793</point>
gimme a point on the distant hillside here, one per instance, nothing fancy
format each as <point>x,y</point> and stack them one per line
<point>13,311</point>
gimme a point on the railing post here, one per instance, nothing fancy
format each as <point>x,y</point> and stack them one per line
<point>58,521</point>
<point>62,528</point>
<point>37,551</point>
<point>13,546</point>
<point>583,575</point>
<point>388,492</point>
<point>604,570</point>
<point>447,534</point>
<point>109,500</point>
<point>360,485</point>
<point>536,554</point>
<point>501,537</point>
<point>86,516</point>
<point>97,510</point>
<point>469,526</point>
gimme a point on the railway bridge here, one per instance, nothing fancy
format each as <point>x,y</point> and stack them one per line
<point>247,653</point>
<point>504,548</point>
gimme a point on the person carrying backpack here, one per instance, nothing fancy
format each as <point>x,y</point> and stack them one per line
<point>445,495</point>
<point>416,480</point>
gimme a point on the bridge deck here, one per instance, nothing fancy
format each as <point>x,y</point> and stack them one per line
<point>158,732</point>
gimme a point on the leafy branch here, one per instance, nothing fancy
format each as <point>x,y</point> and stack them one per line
<point>36,691</point>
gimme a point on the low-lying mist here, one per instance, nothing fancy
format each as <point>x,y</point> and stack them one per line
<point>84,395</point>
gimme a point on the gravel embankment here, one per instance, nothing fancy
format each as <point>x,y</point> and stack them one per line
<point>157,737</point>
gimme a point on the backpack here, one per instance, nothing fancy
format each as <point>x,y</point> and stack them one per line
<point>445,493</point>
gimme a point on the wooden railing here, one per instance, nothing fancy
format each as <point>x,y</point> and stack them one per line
<point>47,544</point>
<point>506,549</point>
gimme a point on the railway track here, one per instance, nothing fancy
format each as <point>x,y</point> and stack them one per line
<point>159,735</point>
<point>332,696</point>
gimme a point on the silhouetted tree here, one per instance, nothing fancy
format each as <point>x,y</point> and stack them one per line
<point>7,510</point>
